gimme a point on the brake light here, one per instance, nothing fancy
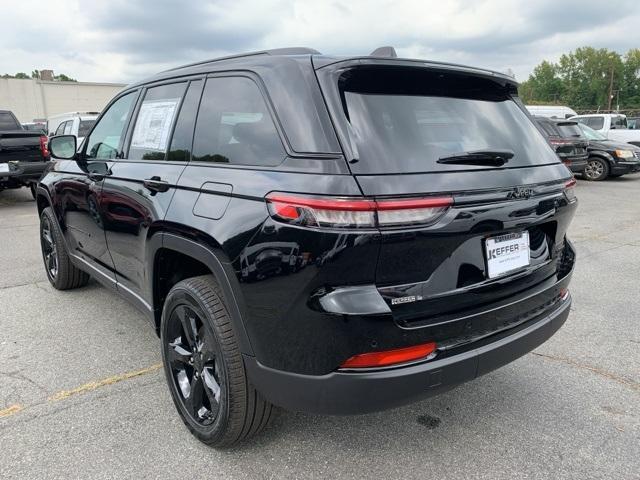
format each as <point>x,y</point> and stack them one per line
<point>356,213</point>
<point>43,146</point>
<point>570,190</point>
<point>390,357</point>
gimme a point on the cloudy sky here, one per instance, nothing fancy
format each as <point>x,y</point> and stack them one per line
<point>126,40</point>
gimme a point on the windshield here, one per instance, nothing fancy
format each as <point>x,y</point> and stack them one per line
<point>590,133</point>
<point>85,127</point>
<point>404,120</point>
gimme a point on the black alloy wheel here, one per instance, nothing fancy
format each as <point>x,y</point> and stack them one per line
<point>61,271</point>
<point>193,358</point>
<point>204,367</point>
<point>49,248</point>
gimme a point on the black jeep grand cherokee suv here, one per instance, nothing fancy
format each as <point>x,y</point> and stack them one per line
<point>333,235</point>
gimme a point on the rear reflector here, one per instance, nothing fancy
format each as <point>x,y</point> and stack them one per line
<point>358,213</point>
<point>570,190</point>
<point>390,357</point>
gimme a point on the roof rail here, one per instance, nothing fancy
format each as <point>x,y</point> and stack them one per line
<point>293,51</point>
<point>384,52</point>
<point>273,51</point>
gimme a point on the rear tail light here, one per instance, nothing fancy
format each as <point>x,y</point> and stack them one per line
<point>356,213</point>
<point>43,146</point>
<point>391,357</point>
<point>570,190</point>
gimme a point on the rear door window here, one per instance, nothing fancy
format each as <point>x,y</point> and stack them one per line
<point>181,142</point>
<point>618,122</point>
<point>404,120</point>
<point>155,120</point>
<point>234,125</point>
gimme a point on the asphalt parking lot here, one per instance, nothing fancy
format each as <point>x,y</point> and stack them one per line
<point>82,394</point>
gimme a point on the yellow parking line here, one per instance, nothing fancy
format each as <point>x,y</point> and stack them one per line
<point>10,410</point>
<point>87,387</point>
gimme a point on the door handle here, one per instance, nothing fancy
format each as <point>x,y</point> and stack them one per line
<point>155,184</point>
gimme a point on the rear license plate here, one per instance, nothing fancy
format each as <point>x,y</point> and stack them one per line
<point>4,167</point>
<point>507,253</point>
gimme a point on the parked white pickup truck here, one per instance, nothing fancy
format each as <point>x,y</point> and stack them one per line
<point>611,125</point>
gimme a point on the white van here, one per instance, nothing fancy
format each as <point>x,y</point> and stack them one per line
<point>551,111</point>
<point>72,123</point>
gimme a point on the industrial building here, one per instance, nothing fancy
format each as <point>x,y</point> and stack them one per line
<point>36,100</point>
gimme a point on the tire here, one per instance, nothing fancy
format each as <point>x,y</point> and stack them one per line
<point>597,169</point>
<point>204,367</point>
<point>62,274</point>
<point>32,187</point>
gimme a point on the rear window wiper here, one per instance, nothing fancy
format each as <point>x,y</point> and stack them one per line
<point>490,158</point>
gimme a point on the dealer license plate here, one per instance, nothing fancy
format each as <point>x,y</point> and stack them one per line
<point>507,253</point>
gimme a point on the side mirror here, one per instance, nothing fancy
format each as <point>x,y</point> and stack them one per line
<point>63,147</point>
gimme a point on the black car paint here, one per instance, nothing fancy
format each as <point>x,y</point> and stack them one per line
<point>280,322</point>
<point>606,149</point>
<point>572,151</point>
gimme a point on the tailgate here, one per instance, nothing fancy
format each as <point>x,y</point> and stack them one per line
<point>426,273</point>
<point>20,146</point>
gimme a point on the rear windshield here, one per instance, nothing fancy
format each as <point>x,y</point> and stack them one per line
<point>404,120</point>
<point>7,122</point>
<point>570,130</point>
<point>85,127</point>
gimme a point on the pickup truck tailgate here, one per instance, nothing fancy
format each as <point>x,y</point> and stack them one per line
<point>21,146</point>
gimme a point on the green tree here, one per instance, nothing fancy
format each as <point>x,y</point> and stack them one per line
<point>583,79</point>
<point>587,74</point>
<point>63,78</point>
<point>21,75</point>
<point>543,86</point>
<point>630,89</point>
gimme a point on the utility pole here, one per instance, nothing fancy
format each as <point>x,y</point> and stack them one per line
<point>610,88</point>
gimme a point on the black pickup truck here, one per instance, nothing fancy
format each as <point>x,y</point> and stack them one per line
<point>23,154</point>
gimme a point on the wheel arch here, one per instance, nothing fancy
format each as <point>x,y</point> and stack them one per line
<point>43,199</point>
<point>194,259</point>
<point>603,155</point>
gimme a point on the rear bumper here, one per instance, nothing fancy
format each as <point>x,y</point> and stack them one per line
<point>343,393</point>
<point>23,172</point>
